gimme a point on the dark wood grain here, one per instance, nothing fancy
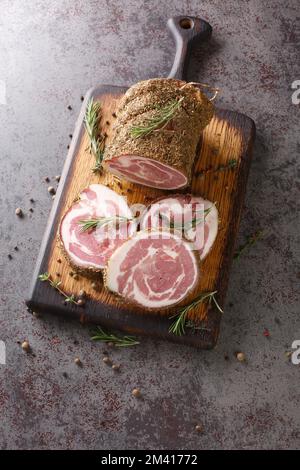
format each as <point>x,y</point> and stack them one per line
<point>187,31</point>
<point>229,135</point>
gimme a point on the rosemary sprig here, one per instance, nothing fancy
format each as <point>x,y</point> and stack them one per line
<point>232,163</point>
<point>89,224</point>
<point>192,222</point>
<point>178,326</point>
<point>250,242</point>
<point>194,327</point>
<point>119,341</point>
<point>46,277</point>
<point>158,121</point>
<point>92,124</point>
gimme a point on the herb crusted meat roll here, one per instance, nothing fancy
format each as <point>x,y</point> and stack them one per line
<point>156,133</point>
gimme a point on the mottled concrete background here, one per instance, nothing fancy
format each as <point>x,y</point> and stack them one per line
<point>51,53</point>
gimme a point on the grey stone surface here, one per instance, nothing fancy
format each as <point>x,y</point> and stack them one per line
<point>51,53</point>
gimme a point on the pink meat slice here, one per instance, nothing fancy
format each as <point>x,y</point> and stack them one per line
<point>194,217</point>
<point>153,269</point>
<point>92,248</point>
<point>146,171</point>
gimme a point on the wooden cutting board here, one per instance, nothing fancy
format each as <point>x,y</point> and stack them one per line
<point>227,139</point>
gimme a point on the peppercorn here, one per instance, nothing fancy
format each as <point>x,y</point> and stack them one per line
<point>115,366</point>
<point>136,392</point>
<point>75,276</point>
<point>81,302</point>
<point>82,98</point>
<point>19,212</point>
<point>77,361</point>
<point>110,344</point>
<point>51,190</point>
<point>59,260</point>
<point>16,248</point>
<point>57,178</point>
<point>108,123</point>
<point>69,107</point>
<point>46,179</point>
<point>9,256</point>
<point>70,135</point>
<point>94,285</point>
<point>241,357</point>
<point>31,200</point>
<point>25,346</point>
<point>30,209</point>
<point>106,360</point>
<point>82,293</point>
<point>198,428</point>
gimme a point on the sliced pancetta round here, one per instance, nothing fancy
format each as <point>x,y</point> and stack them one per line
<point>154,269</point>
<point>88,249</point>
<point>196,218</point>
<point>156,133</point>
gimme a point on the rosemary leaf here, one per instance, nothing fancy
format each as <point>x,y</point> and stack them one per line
<point>55,284</point>
<point>70,299</point>
<point>44,277</point>
<point>158,121</point>
<point>178,326</point>
<point>119,341</point>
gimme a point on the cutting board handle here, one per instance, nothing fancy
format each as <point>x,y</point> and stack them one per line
<point>186,30</point>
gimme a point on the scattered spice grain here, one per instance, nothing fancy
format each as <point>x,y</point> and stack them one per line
<point>25,346</point>
<point>106,360</point>
<point>241,357</point>
<point>51,190</point>
<point>136,393</point>
<point>19,212</point>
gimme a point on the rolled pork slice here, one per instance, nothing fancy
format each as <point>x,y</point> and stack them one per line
<point>88,251</point>
<point>164,158</point>
<point>153,269</point>
<point>194,217</point>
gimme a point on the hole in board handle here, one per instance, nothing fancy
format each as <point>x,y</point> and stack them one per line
<point>186,23</point>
